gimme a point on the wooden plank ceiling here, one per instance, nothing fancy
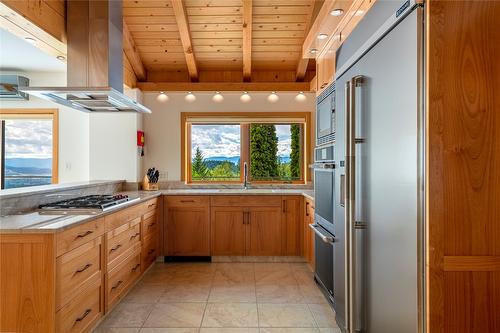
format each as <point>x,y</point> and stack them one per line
<point>221,40</point>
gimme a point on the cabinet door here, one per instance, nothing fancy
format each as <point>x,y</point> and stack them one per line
<point>228,231</point>
<point>308,233</point>
<point>292,215</point>
<point>188,231</point>
<point>265,231</point>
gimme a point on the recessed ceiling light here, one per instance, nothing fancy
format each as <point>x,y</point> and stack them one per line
<point>162,97</point>
<point>60,57</point>
<point>313,51</point>
<point>245,97</point>
<point>301,97</point>
<point>190,97</point>
<point>30,40</point>
<point>273,97</point>
<point>337,12</point>
<point>322,36</point>
<point>359,12</point>
<point>217,98</point>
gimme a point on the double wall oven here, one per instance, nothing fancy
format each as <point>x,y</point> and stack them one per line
<point>324,190</point>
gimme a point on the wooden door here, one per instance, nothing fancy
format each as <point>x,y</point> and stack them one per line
<point>228,231</point>
<point>292,217</point>
<point>188,231</point>
<point>308,233</point>
<point>264,231</point>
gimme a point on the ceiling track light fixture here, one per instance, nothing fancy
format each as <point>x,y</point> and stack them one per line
<point>60,57</point>
<point>190,97</point>
<point>162,97</point>
<point>30,40</point>
<point>313,51</point>
<point>245,97</point>
<point>217,98</point>
<point>273,97</point>
<point>337,12</point>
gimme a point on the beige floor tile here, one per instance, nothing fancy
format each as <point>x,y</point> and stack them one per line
<point>185,293</point>
<point>229,330</point>
<point>116,330</point>
<point>330,330</point>
<point>233,293</point>
<point>312,294</point>
<point>285,315</point>
<point>274,277</point>
<point>145,293</point>
<point>160,277</point>
<point>300,267</point>
<point>303,277</point>
<point>288,330</point>
<point>233,277</point>
<point>323,314</point>
<point>168,330</point>
<point>271,267</point>
<point>127,315</point>
<point>230,315</point>
<point>276,293</point>
<point>176,315</point>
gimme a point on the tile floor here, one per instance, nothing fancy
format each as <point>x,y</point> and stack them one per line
<point>223,297</point>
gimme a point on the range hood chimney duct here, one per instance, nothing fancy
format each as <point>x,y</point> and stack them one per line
<point>95,60</point>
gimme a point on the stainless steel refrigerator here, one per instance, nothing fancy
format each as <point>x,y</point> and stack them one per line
<point>379,201</point>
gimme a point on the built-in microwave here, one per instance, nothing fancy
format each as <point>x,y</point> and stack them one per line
<point>325,116</point>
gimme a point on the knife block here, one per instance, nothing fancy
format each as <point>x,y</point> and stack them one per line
<point>147,186</point>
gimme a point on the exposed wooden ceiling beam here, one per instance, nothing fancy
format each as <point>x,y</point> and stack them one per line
<point>183,26</point>
<point>132,54</point>
<point>247,40</point>
<point>223,86</point>
<point>304,62</point>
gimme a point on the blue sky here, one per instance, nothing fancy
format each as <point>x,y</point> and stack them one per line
<point>224,140</point>
<point>28,139</point>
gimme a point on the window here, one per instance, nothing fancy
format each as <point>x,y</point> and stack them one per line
<point>28,147</point>
<point>217,145</point>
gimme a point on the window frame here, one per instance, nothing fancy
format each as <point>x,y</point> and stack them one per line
<point>37,113</point>
<point>225,118</point>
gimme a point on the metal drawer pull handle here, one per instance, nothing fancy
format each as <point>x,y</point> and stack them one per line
<point>326,239</point>
<point>115,248</point>
<point>135,235</point>
<point>184,201</point>
<point>307,208</point>
<point>117,285</point>
<point>85,314</point>
<point>151,224</point>
<point>84,268</point>
<point>151,205</point>
<point>136,266</point>
<point>86,233</point>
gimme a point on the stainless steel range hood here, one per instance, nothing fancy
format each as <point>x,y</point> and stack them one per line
<point>95,60</point>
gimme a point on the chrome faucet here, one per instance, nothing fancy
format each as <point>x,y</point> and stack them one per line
<point>245,175</point>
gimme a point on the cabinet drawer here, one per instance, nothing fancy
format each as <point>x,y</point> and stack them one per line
<point>74,237</point>
<point>75,269</point>
<point>121,240</point>
<point>119,279</point>
<point>149,251</point>
<point>81,313</point>
<point>187,201</point>
<point>149,225</point>
<point>126,215</point>
<point>246,200</point>
<point>150,205</point>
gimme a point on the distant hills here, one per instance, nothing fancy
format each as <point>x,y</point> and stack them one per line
<point>235,159</point>
<point>28,166</point>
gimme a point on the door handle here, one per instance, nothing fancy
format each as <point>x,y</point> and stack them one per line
<point>324,238</point>
<point>342,190</point>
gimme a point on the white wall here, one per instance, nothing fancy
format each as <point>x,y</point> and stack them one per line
<point>73,127</point>
<point>113,144</point>
<point>162,127</point>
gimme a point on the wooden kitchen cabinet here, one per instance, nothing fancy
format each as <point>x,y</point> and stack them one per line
<point>187,225</point>
<point>292,217</point>
<point>264,231</point>
<point>228,231</point>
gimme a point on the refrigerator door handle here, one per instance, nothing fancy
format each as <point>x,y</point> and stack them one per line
<point>324,238</point>
<point>353,297</point>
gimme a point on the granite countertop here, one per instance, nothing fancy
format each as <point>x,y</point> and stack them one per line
<point>33,222</point>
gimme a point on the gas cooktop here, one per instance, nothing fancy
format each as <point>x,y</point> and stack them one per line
<point>88,205</point>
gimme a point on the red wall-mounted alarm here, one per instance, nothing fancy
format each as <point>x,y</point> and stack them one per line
<point>140,138</point>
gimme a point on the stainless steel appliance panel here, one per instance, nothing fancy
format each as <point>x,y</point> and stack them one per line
<point>387,185</point>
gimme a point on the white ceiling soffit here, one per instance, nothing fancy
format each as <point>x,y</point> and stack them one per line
<point>19,55</point>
